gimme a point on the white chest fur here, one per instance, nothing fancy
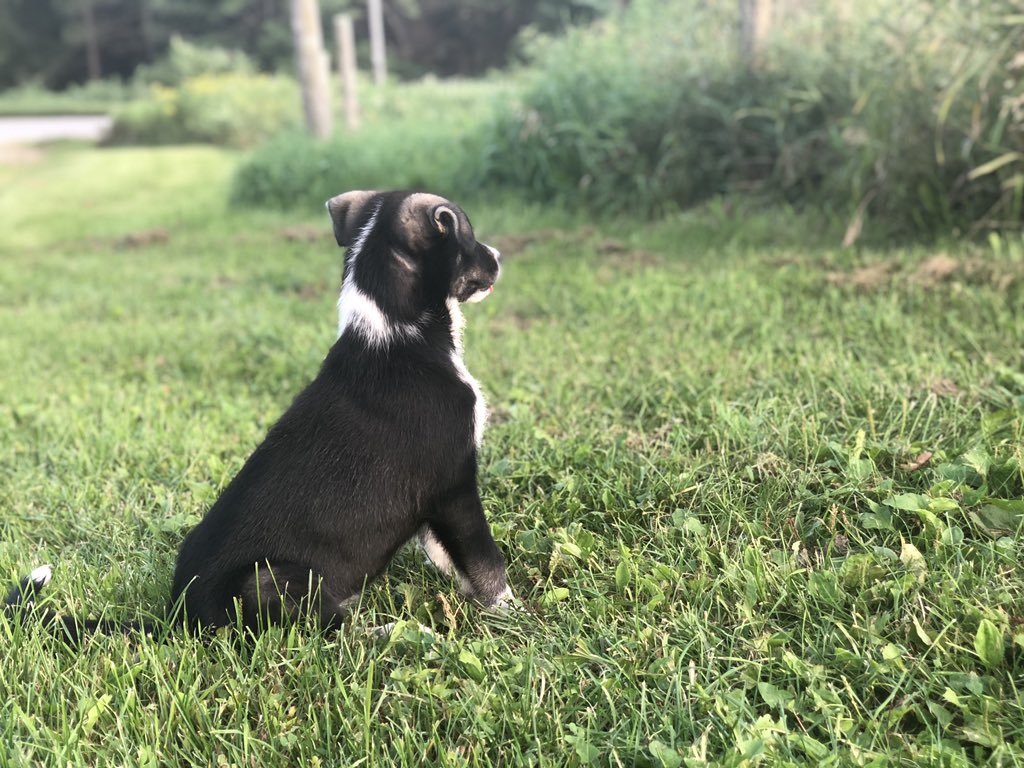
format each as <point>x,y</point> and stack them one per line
<point>479,404</point>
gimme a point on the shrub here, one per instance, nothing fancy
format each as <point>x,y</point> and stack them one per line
<point>230,109</point>
<point>92,97</point>
<point>912,113</point>
<point>414,135</point>
<point>185,60</point>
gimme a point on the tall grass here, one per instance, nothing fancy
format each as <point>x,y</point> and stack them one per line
<point>910,113</point>
<point>415,135</point>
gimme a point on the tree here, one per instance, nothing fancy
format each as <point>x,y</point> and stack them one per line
<point>468,37</point>
<point>59,42</point>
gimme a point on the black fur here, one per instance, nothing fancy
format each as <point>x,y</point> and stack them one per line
<point>379,446</point>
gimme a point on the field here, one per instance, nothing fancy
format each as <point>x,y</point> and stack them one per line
<point>761,496</point>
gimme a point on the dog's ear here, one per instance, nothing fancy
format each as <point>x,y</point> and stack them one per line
<point>445,220</point>
<point>424,216</point>
<point>347,212</point>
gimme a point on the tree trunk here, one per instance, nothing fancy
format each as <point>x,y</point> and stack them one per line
<point>345,44</point>
<point>378,58</point>
<point>755,21</point>
<point>313,67</point>
<point>92,41</point>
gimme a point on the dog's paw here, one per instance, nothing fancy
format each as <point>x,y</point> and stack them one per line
<point>386,631</point>
<point>506,602</point>
<point>383,631</point>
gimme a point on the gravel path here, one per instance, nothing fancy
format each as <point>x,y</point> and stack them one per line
<point>27,130</point>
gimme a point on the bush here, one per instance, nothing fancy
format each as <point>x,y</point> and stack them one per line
<point>230,109</point>
<point>185,60</point>
<point>92,97</point>
<point>912,115</point>
<point>421,135</point>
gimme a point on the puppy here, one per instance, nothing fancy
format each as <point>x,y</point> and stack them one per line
<point>380,447</point>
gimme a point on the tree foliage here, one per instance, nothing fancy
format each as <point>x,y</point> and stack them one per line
<point>46,41</point>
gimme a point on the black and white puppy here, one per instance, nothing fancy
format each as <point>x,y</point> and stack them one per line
<point>379,448</point>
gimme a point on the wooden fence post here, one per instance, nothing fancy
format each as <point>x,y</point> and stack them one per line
<point>345,42</point>
<point>755,22</point>
<point>378,58</point>
<point>314,70</point>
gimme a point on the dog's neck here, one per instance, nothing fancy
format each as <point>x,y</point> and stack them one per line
<point>359,312</point>
<point>458,323</point>
<point>359,315</point>
<point>361,319</point>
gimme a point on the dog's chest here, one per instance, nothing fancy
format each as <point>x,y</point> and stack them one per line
<point>479,403</point>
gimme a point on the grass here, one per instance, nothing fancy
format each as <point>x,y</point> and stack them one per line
<point>95,98</point>
<point>706,465</point>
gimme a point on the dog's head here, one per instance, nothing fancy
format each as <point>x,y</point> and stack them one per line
<point>409,251</point>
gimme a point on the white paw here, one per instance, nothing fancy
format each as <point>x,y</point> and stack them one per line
<point>384,630</point>
<point>387,630</point>
<point>506,602</point>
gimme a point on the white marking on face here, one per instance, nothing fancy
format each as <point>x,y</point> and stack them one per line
<point>359,312</point>
<point>479,404</point>
<point>494,251</point>
<point>479,296</point>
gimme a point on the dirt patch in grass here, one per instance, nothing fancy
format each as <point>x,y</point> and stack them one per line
<point>930,274</point>
<point>622,255</point>
<point>142,239</point>
<point>615,253</point>
<point>863,278</point>
<point>306,233</point>
<point>944,388</point>
<point>513,244</point>
<point>313,291</point>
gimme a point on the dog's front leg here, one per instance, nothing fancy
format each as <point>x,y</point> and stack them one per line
<point>458,541</point>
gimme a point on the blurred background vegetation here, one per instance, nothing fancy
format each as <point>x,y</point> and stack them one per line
<point>893,119</point>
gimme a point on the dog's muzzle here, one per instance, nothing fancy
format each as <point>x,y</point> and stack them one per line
<point>478,282</point>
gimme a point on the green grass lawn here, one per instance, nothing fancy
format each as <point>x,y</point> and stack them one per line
<point>762,496</point>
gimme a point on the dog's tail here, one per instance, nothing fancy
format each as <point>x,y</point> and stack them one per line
<point>22,599</point>
<point>24,593</point>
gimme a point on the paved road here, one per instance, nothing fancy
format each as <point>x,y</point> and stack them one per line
<point>28,130</point>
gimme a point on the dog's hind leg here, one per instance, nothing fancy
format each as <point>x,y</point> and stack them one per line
<point>435,553</point>
<point>279,593</point>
